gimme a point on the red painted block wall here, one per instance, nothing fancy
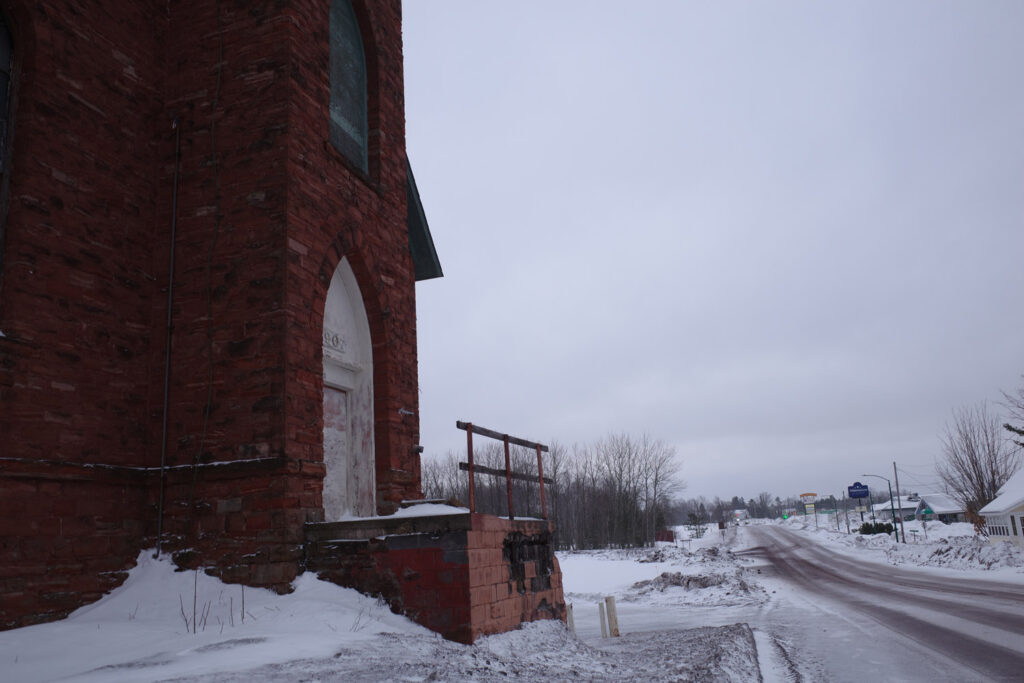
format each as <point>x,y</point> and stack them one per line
<point>462,575</point>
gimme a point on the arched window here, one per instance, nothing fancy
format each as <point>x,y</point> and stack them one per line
<point>348,130</point>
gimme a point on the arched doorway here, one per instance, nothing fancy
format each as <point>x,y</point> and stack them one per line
<point>349,486</point>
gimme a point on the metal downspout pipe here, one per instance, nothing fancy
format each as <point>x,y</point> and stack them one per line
<point>167,354</point>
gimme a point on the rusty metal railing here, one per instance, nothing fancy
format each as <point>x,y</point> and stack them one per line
<point>509,475</point>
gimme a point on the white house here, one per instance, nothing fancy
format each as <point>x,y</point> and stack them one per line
<point>905,507</point>
<point>1004,516</point>
<point>941,507</point>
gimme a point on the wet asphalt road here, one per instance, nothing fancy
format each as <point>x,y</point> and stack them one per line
<point>974,627</point>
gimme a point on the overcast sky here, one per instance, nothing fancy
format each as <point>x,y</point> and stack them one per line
<point>787,238</point>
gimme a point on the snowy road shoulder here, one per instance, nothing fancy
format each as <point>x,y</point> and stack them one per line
<point>933,547</point>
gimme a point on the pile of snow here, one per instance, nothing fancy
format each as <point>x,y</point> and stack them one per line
<point>672,579</point>
<point>541,651</point>
<point>929,544</point>
<point>145,631</point>
<point>667,575</point>
<point>138,631</point>
<point>715,654</point>
<point>957,552</point>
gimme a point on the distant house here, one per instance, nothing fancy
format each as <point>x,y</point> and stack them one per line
<point>905,508</point>
<point>940,507</point>
<point>1004,516</point>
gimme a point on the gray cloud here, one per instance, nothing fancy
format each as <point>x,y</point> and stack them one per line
<point>783,237</point>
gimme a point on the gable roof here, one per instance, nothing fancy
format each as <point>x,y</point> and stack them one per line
<point>903,503</point>
<point>424,256</point>
<point>1011,494</point>
<point>940,504</point>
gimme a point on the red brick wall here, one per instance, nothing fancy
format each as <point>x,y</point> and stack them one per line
<point>76,290</point>
<point>76,294</point>
<point>266,209</point>
<point>81,535</point>
<point>368,225</point>
<point>228,83</point>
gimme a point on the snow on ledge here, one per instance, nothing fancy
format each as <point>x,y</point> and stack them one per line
<point>424,510</point>
<point>427,510</point>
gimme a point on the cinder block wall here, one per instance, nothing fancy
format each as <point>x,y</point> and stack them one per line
<point>514,575</point>
<point>463,576</point>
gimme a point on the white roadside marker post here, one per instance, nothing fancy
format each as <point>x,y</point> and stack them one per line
<point>604,624</point>
<point>569,620</point>
<point>613,617</point>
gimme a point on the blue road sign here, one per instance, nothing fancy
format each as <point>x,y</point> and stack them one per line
<point>858,490</point>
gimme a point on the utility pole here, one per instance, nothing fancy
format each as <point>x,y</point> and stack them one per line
<point>897,478</point>
<point>892,509</point>
<point>846,513</point>
<point>892,505</point>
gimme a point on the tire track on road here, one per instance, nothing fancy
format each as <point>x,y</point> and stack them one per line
<point>809,567</point>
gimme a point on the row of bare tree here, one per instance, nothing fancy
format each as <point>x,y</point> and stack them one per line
<point>701,510</point>
<point>611,493</point>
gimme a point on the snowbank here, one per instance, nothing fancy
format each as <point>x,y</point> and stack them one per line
<point>929,545</point>
<point>138,631</point>
<point>667,575</point>
<point>143,631</point>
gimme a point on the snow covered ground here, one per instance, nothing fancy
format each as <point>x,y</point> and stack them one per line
<point>930,545</point>
<point>692,611</point>
<point>145,631</point>
<point>798,635</point>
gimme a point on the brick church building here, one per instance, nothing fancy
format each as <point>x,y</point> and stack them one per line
<point>210,238</point>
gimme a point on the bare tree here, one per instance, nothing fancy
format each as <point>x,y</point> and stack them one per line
<point>976,457</point>
<point>1015,404</point>
<point>762,505</point>
<point>442,479</point>
<point>616,492</point>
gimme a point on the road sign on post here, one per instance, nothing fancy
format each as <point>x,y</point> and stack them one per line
<point>858,490</point>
